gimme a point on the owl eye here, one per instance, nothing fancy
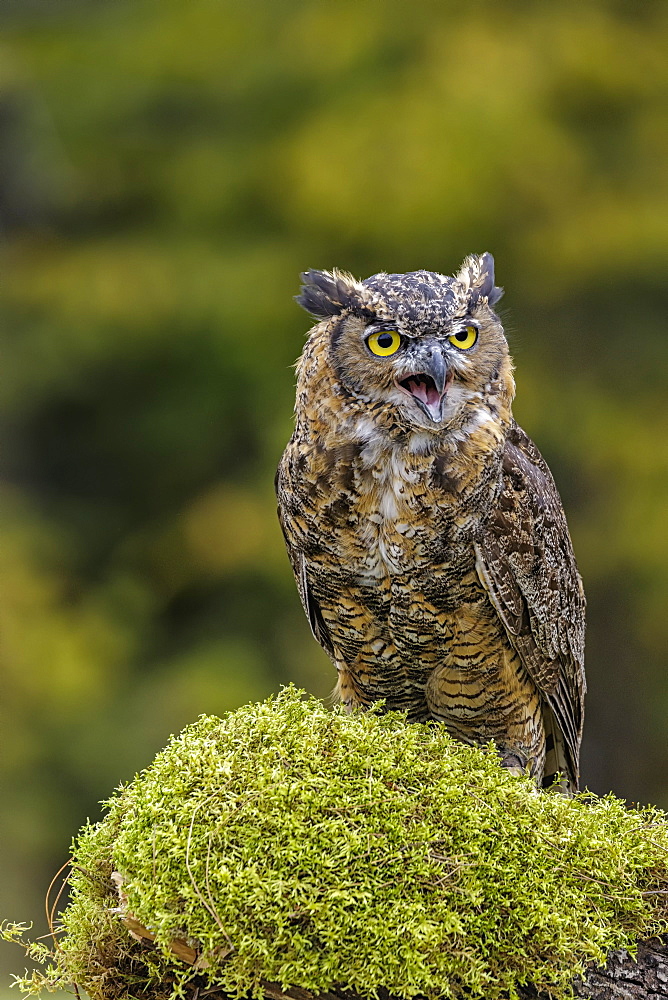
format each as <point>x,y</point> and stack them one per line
<point>384,343</point>
<point>464,339</point>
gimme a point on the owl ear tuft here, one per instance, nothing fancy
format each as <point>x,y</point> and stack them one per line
<point>477,277</point>
<point>328,293</point>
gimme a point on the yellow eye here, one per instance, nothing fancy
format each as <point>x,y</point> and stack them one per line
<point>384,343</point>
<point>464,339</point>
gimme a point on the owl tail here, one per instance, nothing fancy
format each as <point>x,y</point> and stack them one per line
<point>557,759</point>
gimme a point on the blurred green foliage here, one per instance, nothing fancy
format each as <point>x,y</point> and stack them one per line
<point>166,170</point>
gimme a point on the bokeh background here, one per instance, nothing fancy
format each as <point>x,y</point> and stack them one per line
<point>166,170</point>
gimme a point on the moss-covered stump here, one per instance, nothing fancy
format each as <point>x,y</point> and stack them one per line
<point>291,848</point>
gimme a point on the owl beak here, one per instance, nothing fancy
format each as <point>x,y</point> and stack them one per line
<point>428,383</point>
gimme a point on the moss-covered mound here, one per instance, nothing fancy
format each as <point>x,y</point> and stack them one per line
<point>312,848</point>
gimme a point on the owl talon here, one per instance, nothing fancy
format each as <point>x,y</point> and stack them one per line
<point>514,763</point>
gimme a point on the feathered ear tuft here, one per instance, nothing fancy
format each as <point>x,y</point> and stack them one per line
<point>327,293</point>
<point>477,277</point>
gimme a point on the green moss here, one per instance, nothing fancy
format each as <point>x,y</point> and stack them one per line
<point>313,848</point>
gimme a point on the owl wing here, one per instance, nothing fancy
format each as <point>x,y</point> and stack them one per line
<point>525,560</point>
<point>310,605</point>
<point>298,563</point>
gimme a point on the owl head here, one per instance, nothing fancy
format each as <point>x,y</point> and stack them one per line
<point>427,345</point>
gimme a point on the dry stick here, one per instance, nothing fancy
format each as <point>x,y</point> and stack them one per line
<point>51,911</point>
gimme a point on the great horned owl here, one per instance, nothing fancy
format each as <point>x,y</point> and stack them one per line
<point>424,528</point>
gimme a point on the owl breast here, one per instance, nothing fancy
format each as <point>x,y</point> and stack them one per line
<point>391,542</point>
<point>381,512</point>
<point>409,554</point>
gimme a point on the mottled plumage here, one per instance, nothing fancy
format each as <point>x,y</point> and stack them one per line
<point>424,529</point>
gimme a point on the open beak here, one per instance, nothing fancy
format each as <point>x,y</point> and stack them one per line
<point>428,382</point>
